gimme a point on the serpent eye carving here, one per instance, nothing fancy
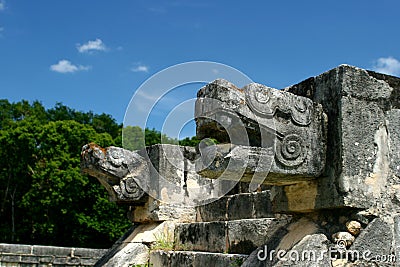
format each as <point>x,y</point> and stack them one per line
<point>115,154</point>
<point>261,97</point>
<point>116,157</point>
<point>260,100</point>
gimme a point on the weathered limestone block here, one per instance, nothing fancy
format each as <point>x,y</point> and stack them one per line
<point>246,235</point>
<point>173,178</point>
<point>376,239</point>
<point>148,233</point>
<point>209,236</point>
<point>242,163</point>
<point>160,258</point>
<point>154,211</point>
<point>362,167</point>
<point>131,254</point>
<point>285,240</point>
<point>277,135</point>
<point>234,207</point>
<point>311,251</point>
<point>236,236</point>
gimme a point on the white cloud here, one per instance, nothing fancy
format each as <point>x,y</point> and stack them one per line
<point>2,5</point>
<point>140,68</point>
<point>90,46</point>
<point>65,66</point>
<point>387,65</point>
<point>147,96</point>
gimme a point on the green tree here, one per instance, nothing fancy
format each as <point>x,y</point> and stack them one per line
<point>134,138</point>
<point>68,206</point>
<point>189,141</point>
<point>18,149</point>
<point>102,123</point>
<point>44,197</point>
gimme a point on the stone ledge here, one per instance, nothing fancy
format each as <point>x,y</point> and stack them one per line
<point>235,207</point>
<point>162,258</point>
<point>237,236</point>
<point>15,249</point>
<point>44,255</point>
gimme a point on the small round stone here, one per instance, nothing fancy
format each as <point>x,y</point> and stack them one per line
<point>353,227</point>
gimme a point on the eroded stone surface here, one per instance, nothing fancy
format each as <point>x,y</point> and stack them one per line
<point>376,239</point>
<point>155,211</point>
<point>237,236</point>
<point>148,233</point>
<point>161,258</point>
<point>235,207</point>
<point>120,171</point>
<point>173,178</point>
<point>309,252</point>
<point>130,254</point>
<point>286,133</point>
<point>362,109</point>
<point>133,248</point>
<point>363,130</point>
<point>126,175</point>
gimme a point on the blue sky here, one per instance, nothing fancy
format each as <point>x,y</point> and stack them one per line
<point>93,55</point>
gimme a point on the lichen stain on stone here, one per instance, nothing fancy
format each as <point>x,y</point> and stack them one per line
<point>94,146</point>
<point>376,181</point>
<point>301,196</point>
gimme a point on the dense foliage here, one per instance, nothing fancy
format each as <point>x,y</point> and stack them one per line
<point>44,198</point>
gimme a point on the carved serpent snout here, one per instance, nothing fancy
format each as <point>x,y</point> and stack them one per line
<point>121,172</point>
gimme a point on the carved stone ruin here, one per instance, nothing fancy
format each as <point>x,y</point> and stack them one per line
<point>287,131</point>
<point>317,167</point>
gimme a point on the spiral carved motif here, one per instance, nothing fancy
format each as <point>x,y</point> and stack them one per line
<point>130,189</point>
<point>291,150</point>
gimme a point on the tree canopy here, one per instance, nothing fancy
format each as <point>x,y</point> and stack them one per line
<point>44,197</point>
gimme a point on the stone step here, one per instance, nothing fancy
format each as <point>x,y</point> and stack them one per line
<point>161,258</point>
<point>237,236</point>
<point>236,207</point>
